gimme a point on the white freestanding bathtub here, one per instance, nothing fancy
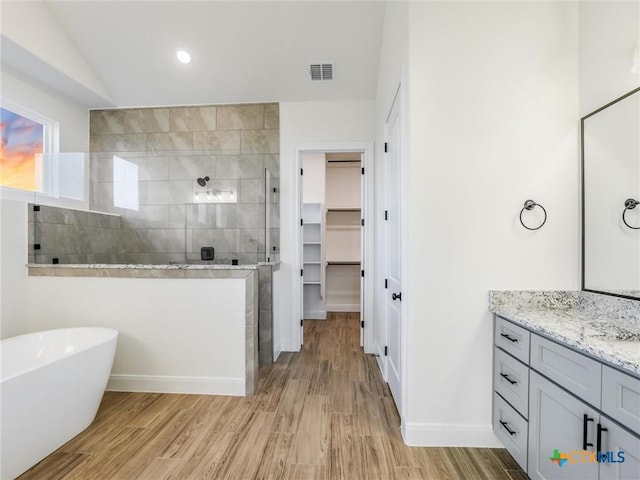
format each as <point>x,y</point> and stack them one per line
<point>51,385</point>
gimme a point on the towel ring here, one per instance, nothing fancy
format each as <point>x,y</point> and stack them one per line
<point>530,205</point>
<point>629,204</point>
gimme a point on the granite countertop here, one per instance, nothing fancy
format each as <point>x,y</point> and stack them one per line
<point>601,326</point>
<point>138,266</point>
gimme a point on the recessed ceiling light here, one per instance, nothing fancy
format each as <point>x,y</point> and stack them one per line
<point>183,56</point>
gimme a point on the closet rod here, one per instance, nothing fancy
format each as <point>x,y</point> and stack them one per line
<point>343,161</point>
<point>343,263</point>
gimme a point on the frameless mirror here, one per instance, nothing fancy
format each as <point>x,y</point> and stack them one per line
<point>610,196</point>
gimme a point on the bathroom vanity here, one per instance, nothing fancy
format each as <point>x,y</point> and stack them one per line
<point>567,381</point>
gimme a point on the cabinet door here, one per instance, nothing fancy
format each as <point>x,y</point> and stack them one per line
<point>614,440</point>
<point>557,429</point>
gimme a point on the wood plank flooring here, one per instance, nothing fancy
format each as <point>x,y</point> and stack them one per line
<point>322,413</point>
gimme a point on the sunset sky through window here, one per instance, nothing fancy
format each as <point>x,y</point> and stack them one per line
<point>21,141</point>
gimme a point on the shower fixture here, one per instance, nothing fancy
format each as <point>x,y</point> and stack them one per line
<point>202,181</point>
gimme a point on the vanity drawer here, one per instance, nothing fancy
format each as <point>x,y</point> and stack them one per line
<point>571,370</point>
<point>511,380</point>
<point>513,339</point>
<point>621,397</point>
<point>511,430</point>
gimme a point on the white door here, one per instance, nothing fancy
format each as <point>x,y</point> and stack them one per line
<point>394,290</point>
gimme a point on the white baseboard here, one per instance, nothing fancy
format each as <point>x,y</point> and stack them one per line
<point>343,307</point>
<point>449,435</point>
<point>315,314</point>
<point>166,384</point>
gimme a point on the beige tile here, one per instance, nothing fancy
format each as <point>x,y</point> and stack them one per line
<point>240,117</point>
<point>228,142</point>
<point>260,141</point>
<point>127,142</point>
<point>170,142</point>
<point>106,121</point>
<point>146,120</point>
<point>190,119</point>
<point>272,116</point>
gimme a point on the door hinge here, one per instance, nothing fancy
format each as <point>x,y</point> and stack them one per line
<point>386,147</point>
<point>386,351</point>
<point>362,171</point>
<point>36,246</point>
<point>362,324</point>
<point>302,323</point>
<point>36,208</point>
<point>386,283</point>
<point>362,222</point>
<point>301,222</point>
<point>386,215</point>
<point>301,171</point>
<point>300,272</point>
<point>362,273</point>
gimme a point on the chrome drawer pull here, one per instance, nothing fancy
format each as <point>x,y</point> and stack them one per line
<point>506,377</point>
<point>511,339</point>
<point>505,426</point>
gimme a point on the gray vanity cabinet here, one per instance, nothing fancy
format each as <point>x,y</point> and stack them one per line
<point>557,422</point>
<point>616,439</point>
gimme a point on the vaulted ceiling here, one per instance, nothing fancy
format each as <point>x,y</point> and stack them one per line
<point>242,51</point>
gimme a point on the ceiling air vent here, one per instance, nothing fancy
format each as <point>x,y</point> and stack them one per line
<point>321,71</point>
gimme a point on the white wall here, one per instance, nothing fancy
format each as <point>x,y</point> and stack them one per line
<point>493,122</point>
<point>391,77</point>
<point>74,137</point>
<point>34,42</point>
<point>313,182</point>
<point>306,124</point>
<point>609,34</point>
<point>181,335</point>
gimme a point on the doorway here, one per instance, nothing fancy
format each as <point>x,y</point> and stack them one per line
<point>334,235</point>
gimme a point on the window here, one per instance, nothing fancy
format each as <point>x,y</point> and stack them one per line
<point>23,141</point>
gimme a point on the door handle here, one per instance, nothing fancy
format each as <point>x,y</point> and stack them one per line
<point>396,296</point>
<point>599,437</point>
<point>585,421</point>
<point>508,379</point>
<point>505,425</point>
<point>511,339</point>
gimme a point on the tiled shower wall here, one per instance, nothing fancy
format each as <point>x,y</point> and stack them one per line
<point>172,147</point>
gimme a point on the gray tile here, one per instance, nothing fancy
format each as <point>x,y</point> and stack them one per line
<point>95,219</point>
<point>251,191</point>
<point>177,216</point>
<point>169,192</point>
<point>190,119</point>
<point>272,163</point>
<point>272,116</point>
<point>106,121</point>
<point>102,240</point>
<point>170,142</point>
<point>218,141</point>
<point>146,120</point>
<point>152,168</point>
<point>240,117</point>
<point>240,166</point>
<point>128,142</point>
<point>57,239</point>
<point>260,141</point>
<point>61,215</point>
<point>202,215</point>
<point>274,239</point>
<point>147,216</point>
<point>225,240</point>
<point>249,240</point>
<point>101,167</point>
<point>274,215</point>
<point>160,240</point>
<point>192,167</point>
<point>250,215</point>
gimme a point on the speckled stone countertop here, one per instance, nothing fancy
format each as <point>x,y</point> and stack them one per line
<point>142,270</point>
<point>601,326</point>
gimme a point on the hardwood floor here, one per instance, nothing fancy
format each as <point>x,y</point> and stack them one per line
<point>322,413</point>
